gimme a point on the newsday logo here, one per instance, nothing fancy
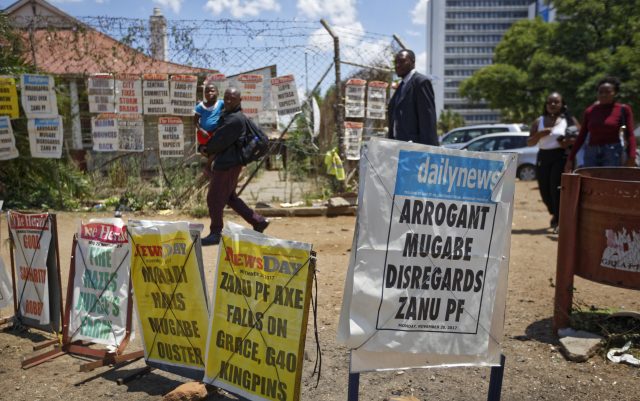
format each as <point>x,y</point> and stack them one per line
<point>447,177</point>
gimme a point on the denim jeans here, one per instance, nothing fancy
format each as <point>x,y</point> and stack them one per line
<point>609,155</point>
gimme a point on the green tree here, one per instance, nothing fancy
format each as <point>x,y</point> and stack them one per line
<point>449,120</point>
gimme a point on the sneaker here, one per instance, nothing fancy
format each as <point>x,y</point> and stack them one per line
<point>260,227</point>
<point>211,239</point>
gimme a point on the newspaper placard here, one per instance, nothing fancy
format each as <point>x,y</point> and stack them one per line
<point>8,98</point>
<point>32,237</point>
<point>131,133</point>
<point>258,324</point>
<point>101,283</point>
<point>45,137</point>
<point>128,93</point>
<point>219,80</point>
<point>155,92</point>
<point>285,95</point>
<point>101,91</point>
<point>352,139</point>
<point>8,148</point>
<point>38,95</point>
<point>183,94</point>
<point>354,98</point>
<point>426,284</point>
<point>170,297</point>
<point>171,136</point>
<point>377,100</point>
<point>104,132</point>
<point>252,88</point>
<point>6,290</point>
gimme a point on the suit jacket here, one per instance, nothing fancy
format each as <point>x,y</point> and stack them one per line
<point>412,114</point>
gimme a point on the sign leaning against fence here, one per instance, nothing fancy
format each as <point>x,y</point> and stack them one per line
<point>431,252</point>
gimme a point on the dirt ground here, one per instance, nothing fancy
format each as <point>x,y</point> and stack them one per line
<point>535,369</point>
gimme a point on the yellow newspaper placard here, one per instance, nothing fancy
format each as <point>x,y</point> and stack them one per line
<point>9,98</point>
<point>170,296</point>
<point>259,320</point>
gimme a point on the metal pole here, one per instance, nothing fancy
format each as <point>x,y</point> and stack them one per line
<point>399,41</point>
<point>339,109</point>
<point>354,384</point>
<point>495,381</point>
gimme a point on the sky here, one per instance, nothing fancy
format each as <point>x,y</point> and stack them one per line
<point>406,18</point>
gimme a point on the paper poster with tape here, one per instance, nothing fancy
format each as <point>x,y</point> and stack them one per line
<point>104,132</point>
<point>128,93</point>
<point>377,100</point>
<point>45,137</point>
<point>6,290</point>
<point>38,95</point>
<point>285,95</point>
<point>354,98</point>
<point>130,132</point>
<point>8,148</point>
<point>155,94</point>
<point>9,98</point>
<point>171,137</point>
<point>101,92</point>
<point>183,94</point>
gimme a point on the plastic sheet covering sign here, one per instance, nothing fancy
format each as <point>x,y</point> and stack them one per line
<point>171,137</point>
<point>101,91</point>
<point>31,234</point>
<point>128,93</point>
<point>377,100</point>
<point>285,95</point>
<point>354,98</point>
<point>38,95</point>
<point>352,139</point>
<point>427,277</point>
<point>8,148</point>
<point>170,296</point>
<point>104,132</point>
<point>100,283</point>
<point>8,97</point>
<point>155,94</point>
<point>183,94</point>
<point>131,133</point>
<point>6,290</point>
<point>45,137</point>
<point>258,324</point>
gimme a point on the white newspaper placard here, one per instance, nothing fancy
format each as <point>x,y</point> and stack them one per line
<point>128,93</point>
<point>8,148</point>
<point>285,95</point>
<point>155,94</point>
<point>252,89</point>
<point>354,98</point>
<point>427,279</point>
<point>352,139</point>
<point>45,137</point>
<point>183,94</point>
<point>32,236</point>
<point>131,133</point>
<point>100,283</point>
<point>171,137</point>
<point>6,289</point>
<point>38,96</point>
<point>377,100</point>
<point>104,132</point>
<point>101,91</point>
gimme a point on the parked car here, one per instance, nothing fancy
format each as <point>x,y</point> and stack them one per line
<point>457,138</point>
<point>509,142</point>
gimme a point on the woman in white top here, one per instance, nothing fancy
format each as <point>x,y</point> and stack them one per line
<point>548,132</point>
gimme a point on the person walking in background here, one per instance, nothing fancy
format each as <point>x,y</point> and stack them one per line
<point>226,168</point>
<point>412,110</point>
<point>548,132</point>
<point>609,125</point>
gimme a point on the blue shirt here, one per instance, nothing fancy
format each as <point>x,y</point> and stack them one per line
<point>209,116</point>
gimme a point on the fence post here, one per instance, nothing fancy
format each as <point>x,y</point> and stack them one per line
<point>339,108</point>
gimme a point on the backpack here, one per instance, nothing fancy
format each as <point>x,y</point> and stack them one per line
<point>254,144</point>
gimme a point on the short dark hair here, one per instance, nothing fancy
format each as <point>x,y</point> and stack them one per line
<point>614,81</point>
<point>410,53</point>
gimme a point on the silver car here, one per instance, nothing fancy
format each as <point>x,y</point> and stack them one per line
<point>515,142</point>
<point>458,137</point>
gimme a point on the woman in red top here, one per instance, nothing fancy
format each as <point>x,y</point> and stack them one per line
<point>603,122</point>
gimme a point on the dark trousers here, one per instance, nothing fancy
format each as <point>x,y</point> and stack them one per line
<point>550,165</point>
<point>222,191</point>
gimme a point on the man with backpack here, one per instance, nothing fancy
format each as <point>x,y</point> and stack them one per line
<point>228,145</point>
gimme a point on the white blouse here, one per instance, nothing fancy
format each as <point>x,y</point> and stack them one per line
<point>557,131</point>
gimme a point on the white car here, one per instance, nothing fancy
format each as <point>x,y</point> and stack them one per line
<point>509,142</point>
<point>457,138</point>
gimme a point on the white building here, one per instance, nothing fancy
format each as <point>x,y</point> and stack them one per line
<point>461,38</point>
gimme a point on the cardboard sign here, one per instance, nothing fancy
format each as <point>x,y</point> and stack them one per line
<point>45,137</point>
<point>104,132</point>
<point>183,94</point>
<point>427,278</point>
<point>101,91</point>
<point>38,95</point>
<point>377,100</point>
<point>258,324</point>
<point>131,133</point>
<point>8,98</point>
<point>285,95</point>
<point>354,98</point>
<point>128,93</point>
<point>352,139</point>
<point>155,91</point>
<point>171,137</point>
<point>8,148</point>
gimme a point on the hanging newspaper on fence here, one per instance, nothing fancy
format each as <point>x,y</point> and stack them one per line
<point>101,91</point>
<point>252,88</point>
<point>377,100</point>
<point>427,278</point>
<point>354,98</point>
<point>45,137</point>
<point>171,136</point>
<point>183,94</point>
<point>170,296</point>
<point>259,319</point>
<point>128,93</point>
<point>8,148</point>
<point>38,95</point>
<point>8,98</point>
<point>104,132</point>
<point>130,133</point>
<point>6,291</point>
<point>352,139</point>
<point>100,283</point>
<point>285,95</point>
<point>155,91</point>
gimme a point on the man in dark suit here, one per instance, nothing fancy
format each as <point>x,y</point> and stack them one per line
<point>412,110</point>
